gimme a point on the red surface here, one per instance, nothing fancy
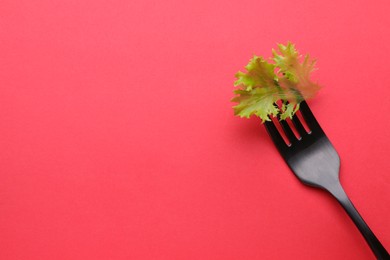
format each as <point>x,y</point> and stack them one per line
<point>118,139</point>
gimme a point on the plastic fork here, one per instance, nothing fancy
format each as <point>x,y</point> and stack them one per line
<point>315,162</point>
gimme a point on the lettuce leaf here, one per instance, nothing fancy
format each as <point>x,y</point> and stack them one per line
<point>275,86</point>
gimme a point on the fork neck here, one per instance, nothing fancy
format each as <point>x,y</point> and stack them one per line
<point>377,248</point>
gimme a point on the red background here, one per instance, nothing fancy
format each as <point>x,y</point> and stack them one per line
<point>118,140</point>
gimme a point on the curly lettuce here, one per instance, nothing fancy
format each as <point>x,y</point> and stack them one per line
<point>275,86</point>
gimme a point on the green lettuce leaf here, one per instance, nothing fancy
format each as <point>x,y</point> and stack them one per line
<point>275,86</point>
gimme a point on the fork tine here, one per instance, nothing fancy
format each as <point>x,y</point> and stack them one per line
<point>298,125</point>
<point>275,135</point>
<point>311,121</point>
<point>287,130</point>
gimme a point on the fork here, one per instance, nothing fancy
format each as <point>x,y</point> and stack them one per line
<point>315,162</point>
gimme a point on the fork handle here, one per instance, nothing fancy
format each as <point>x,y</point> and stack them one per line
<point>377,248</point>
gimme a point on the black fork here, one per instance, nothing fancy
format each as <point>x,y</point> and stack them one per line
<point>315,162</point>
